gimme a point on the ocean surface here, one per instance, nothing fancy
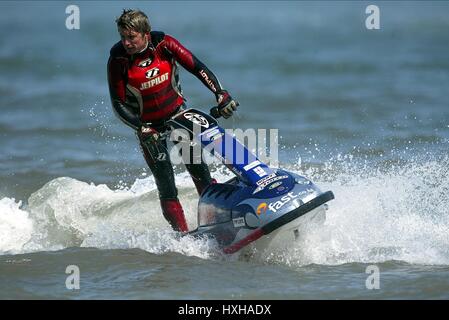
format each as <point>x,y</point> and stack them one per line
<point>361,112</point>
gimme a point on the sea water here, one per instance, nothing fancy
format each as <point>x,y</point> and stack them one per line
<point>361,112</point>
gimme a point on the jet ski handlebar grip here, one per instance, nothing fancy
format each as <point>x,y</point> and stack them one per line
<point>214,112</point>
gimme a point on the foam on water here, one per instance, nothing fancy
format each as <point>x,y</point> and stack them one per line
<point>399,213</point>
<point>15,226</point>
<point>394,213</point>
<point>67,212</point>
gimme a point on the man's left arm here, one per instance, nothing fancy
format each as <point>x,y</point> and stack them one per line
<point>226,104</point>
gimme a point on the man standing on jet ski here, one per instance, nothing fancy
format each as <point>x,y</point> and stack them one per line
<point>145,92</point>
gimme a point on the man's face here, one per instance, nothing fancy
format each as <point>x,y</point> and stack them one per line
<point>133,41</point>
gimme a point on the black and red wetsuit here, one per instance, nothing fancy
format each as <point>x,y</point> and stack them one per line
<point>145,88</point>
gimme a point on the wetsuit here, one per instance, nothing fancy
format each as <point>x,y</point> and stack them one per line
<point>145,90</point>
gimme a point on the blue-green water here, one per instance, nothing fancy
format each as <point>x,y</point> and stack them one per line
<point>363,113</point>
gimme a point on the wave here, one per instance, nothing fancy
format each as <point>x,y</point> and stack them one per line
<point>379,214</point>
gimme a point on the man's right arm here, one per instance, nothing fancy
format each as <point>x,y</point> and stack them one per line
<point>117,91</point>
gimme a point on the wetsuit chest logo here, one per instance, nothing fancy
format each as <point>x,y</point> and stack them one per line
<point>145,63</point>
<point>156,80</point>
<point>152,73</point>
<point>154,76</point>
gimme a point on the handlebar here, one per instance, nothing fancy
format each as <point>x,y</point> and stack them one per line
<point>215,113</point>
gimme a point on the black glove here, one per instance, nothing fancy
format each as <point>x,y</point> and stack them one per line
<point>226,105</point>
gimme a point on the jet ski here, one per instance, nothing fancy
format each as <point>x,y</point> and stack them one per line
<point>257,206</point>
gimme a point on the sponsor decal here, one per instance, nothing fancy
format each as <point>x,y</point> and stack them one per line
<point>152,73</point>
<point>260,171</point>
<point>197,119</point>
<point>267,180</point>
<point>161,157</point>
<point>277,205</point>
<point>251,165</point>
<point>155,81</point>
<point>262,181</point>
<point>274,185</point>
<point>261,208</point>
<point>238,222</point>
<point>208,81</point>
<point>145,63</point>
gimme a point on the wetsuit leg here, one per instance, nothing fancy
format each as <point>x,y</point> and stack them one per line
<point>158,160</point>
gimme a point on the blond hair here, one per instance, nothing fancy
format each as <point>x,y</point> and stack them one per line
<point>133,20</point>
